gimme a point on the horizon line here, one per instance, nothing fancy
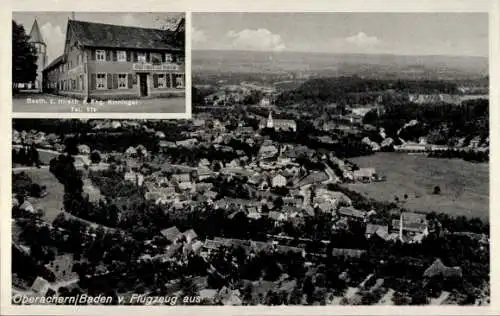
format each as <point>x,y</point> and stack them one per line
<point>339,53</point>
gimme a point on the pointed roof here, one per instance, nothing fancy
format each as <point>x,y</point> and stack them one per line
<point>35,34</point>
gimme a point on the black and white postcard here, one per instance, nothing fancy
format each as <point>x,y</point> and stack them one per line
<point>249,160</point>
<point>98,62</point>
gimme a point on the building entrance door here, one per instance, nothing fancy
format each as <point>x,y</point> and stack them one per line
<point>143,83</point>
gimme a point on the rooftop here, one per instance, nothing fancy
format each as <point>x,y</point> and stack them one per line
<point>117,36</point>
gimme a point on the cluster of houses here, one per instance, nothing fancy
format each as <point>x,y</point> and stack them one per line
<point>229,94</point>
<point>37,138</point>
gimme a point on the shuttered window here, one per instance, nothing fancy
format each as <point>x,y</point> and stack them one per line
<point>161,81</point>
<point>122,55</point>
<point>122,81</point>
<point>100,55</point>
<point>141,57</point>
<point>101,81</point>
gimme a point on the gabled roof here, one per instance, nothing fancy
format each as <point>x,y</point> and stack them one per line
<point>40,285</point>
<point>171,233</point>
<point>438,268</point>
<point>190,234</point>
<point>92,34</point>
<point>345,252</point>
<point>35,34</point>
<point>373,228</point>
<point>351,211</point>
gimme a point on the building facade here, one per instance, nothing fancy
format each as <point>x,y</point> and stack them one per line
<point>104,61</point>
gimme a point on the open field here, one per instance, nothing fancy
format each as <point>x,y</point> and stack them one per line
<point>464,185</point>
<point>52,203</point>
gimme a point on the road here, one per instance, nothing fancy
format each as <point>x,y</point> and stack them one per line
<point>46,103</point>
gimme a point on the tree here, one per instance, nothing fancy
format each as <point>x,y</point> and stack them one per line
<point>95,157</point>
<point>174,27</point>
<point>71,146</point>
<point>23,56</point>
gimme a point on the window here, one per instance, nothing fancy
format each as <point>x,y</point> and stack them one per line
<point>156,58</point>
<point>168,58</point>
<point>161,81</point>
<point>122,55</point>
<point>100,55</point>
<point>141,57</point>
<point>122,81</point>
<point>179,81</point>
<point>101,81</point>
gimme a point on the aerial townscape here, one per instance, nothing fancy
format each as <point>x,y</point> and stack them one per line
<point>235,207</point>
<point>300,179</point>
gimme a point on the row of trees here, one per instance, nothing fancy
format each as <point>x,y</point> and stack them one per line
<point>26,156</point>
<point>22,184</point>
<point>348,89</point>
<point>467,155</point>
<point>438,122</point>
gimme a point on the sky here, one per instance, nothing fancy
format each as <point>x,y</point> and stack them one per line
<point>457,34</point>
<point>53,24</point>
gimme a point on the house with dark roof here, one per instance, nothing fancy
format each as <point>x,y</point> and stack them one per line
<point>105,61</point>
<point>345,252</point>
<point>438,268</point>
<point>171,234</point>
<point>351,212</point>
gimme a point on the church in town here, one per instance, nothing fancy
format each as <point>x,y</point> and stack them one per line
<point>105,61</point>
<point>278,124</point>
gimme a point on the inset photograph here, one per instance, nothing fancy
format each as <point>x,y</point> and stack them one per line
<point>98,62</point>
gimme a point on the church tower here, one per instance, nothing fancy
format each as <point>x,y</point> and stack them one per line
<point>37,41</point>
<point>401,221</point>
<point>270,123</point>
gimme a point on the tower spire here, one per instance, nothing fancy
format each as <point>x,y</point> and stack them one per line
<point>270,122</point>
<point>35,34</point>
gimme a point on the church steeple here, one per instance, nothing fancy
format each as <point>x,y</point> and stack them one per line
<point>270,122</point>
<point>35,34</point>
<point>40,48</point>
